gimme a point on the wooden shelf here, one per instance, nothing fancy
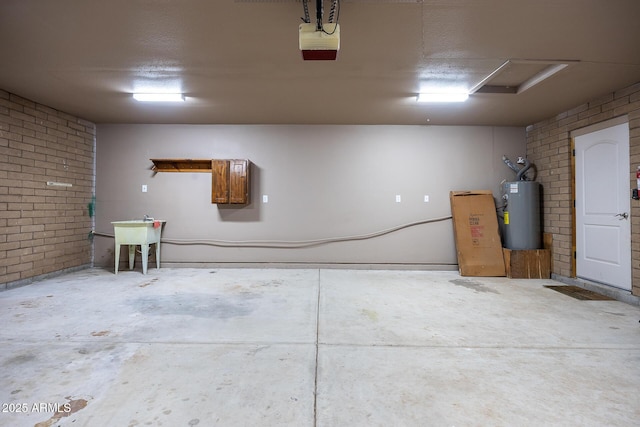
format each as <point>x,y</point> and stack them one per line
<point>181,165</point>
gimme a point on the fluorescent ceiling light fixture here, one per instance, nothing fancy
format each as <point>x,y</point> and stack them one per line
<point>442,97</point>
<point>158,97</point>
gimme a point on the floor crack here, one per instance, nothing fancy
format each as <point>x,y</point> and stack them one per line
<point>315,380</point>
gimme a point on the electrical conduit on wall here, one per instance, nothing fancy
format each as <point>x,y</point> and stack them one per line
<point>291,243</point>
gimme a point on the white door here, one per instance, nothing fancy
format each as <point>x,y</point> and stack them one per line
<point>603,226</point>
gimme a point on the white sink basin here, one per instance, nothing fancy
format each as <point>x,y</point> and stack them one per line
<point>137,232</point>
<point>134,221</point>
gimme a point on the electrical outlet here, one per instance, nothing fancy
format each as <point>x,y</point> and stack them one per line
<point>265,198</point>
<point>426,198</point>
<point>398,198</point>
<point>144,188</point>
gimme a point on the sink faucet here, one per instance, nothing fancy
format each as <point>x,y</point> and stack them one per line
<point>147,218</point>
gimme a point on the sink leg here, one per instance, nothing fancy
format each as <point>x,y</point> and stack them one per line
<point>158,255</point>
<point>145,257</point>
<point>117,256</point>
<point>132,255</point>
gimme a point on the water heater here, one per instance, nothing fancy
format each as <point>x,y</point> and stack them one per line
<point>522,215</point>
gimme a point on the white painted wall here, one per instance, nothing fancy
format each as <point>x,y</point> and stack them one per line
<point>322,181</point>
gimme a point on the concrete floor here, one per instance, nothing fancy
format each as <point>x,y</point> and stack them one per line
<point>263,347</point>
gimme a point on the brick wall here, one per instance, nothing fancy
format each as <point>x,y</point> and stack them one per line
<point>43,229</point>
<point>549,147</point>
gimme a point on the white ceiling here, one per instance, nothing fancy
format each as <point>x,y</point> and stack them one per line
<point>239,61</point>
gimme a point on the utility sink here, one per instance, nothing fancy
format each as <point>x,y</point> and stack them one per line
<point>138,232</point>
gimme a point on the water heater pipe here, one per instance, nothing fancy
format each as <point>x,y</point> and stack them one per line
<point>509,163</point>
<point>519,172</point>
<point>520,175</point>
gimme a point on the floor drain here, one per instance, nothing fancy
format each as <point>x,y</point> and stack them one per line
<point>579,293</point>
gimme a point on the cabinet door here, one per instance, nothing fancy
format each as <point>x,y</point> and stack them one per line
<point>220,181</point>
<point>238,181</point>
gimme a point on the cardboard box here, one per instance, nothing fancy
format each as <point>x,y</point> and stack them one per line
<point>475,226</point>
<point>528,264</point>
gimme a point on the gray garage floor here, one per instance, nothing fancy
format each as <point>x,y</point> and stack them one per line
<point>263,347</point>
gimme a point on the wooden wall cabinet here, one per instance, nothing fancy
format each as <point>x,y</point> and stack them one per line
<point>230,178</point>
<point>230,181</point>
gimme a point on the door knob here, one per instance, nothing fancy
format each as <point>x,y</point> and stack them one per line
<point>623,215</point>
